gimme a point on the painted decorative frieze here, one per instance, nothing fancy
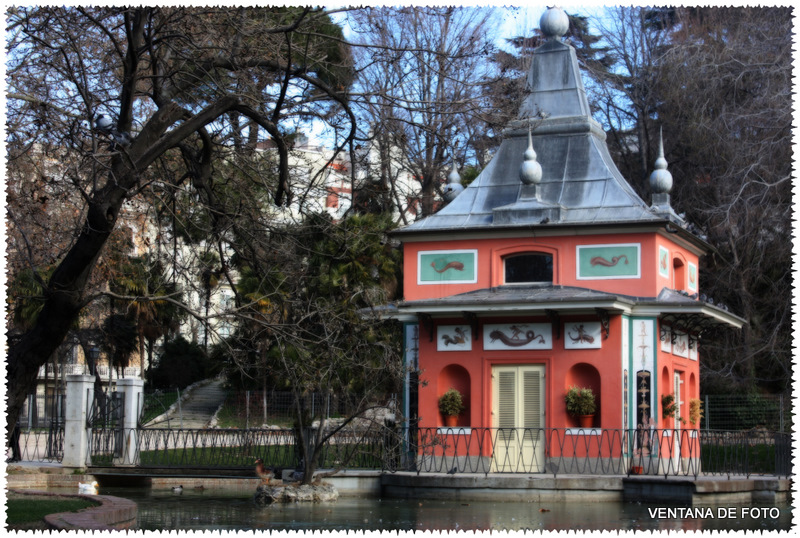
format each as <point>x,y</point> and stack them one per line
<point>518,336</point>
<point>663,261</point>
<point>582,335</point>
<point>598,262</point>
<point>692,277</point>
<point>447,267</point>
<point>693,350</point>
<point>453,338</point>
<point>681,346</point>
<point>666,339</point>
<point>644,364</point>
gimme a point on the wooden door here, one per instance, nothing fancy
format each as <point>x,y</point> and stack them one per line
<point>518,416</point>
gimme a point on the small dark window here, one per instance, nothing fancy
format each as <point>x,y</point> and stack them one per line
<point>529,267</point>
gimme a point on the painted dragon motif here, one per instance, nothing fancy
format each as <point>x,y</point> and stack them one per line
<point>583,336</point>
<point>458,266</point>
<point>516,339</point>
<point>599,260</point>
<point>459,338</point>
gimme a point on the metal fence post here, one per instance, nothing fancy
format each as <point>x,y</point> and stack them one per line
<point>180,412</point>
<point>707,413</point>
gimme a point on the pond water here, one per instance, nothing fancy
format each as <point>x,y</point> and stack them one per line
<point>159,510</point>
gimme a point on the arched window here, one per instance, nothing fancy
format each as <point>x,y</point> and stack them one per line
<point>679,274</point>
<point>528,267</point>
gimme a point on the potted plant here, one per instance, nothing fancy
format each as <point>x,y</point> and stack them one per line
<point>581,403</point>
<point>668,406</point>
<point>695,411</point>
<point>451,404</point>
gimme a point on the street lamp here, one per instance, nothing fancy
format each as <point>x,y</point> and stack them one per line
<point>94,355</point>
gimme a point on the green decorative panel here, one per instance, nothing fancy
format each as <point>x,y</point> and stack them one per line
<point>447,266</point>
<point>692,277</point>
<point>663,262</point>
<point>608,261</point>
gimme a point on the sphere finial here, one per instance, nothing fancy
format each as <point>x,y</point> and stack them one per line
<point>661,178</point>
<point>530,172</point>
<point>554,23</point>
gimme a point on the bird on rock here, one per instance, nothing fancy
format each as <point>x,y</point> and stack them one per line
<point>264,473</point>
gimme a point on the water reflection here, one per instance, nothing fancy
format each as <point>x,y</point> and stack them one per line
<point>204,510</point>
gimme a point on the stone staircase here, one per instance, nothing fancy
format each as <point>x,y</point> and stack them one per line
<point>198,407</point>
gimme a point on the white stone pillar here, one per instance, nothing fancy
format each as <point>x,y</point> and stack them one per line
<point>132,394</point>
<point>80,393</point>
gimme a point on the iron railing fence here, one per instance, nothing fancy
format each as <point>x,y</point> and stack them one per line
<point>235,449</point>
<point>156,405</point>
<point>667,452</point>
<point>771,412</point>
<point>555,451</point>
<point>42,411</point>
<point>37,444</point>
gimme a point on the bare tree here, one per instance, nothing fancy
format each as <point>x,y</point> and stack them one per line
<point>421,76</point>
<point>623,93</point>
<point>166,83</point>
<point>728,126</point>
<point>718,81</point>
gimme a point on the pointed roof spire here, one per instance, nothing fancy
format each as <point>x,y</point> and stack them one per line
<point>530,172</point>
<point>453,187</point>
<point>661,178</point>
<point>579,183</point>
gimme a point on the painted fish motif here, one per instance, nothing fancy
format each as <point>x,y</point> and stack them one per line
<point>530,336</point>
<point>599,260</point>
<point>458,266</point>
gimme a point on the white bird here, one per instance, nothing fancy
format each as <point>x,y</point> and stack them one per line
<point>87,488</point>
<point>177,489</point>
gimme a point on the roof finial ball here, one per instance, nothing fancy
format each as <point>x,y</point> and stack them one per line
<point>530,172</point>
<point>661,178</point>
<point>554,23</point>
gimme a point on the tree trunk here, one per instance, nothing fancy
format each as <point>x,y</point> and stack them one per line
<point>64,297</point>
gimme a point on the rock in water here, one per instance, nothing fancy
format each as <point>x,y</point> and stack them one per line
<point>266,494</point>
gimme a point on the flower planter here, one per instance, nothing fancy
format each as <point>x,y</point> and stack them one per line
<point>451,421</point>
<point>586,421</point>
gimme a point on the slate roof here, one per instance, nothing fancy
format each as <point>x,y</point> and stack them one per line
<point>536,298</point>
<point>580,184</point>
